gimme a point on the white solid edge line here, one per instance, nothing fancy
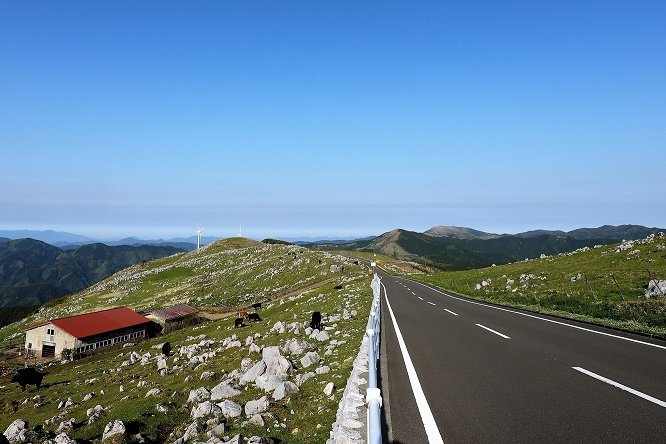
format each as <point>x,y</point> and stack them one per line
<point>544,319</point>
<point>454,314</point>
<point>434,437</point>
<point>431,303</point>
<point>493,331</point>
<point>620,386</point>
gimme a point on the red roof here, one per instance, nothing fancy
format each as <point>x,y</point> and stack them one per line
<point>173,312</point>
<point>91,324</point>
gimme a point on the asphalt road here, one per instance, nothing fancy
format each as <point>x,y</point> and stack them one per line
<point>495,375</point>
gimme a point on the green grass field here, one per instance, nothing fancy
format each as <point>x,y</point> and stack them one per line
<point>601,285</point>
<point>292,283</point>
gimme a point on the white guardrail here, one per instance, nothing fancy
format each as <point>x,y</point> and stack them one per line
<point>373,395</point>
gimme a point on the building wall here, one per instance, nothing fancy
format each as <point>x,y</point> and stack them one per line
<point>37,337</point>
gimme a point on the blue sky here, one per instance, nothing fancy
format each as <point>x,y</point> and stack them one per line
<point>330,118</point>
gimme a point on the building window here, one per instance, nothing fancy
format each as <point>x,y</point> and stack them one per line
<point>29,345</point>
<point>50,331</point>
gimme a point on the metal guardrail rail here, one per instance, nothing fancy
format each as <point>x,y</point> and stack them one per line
<point>373,395</point>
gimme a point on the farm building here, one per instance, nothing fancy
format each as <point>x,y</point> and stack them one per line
<point>172,318</point>
<point>84,333</point>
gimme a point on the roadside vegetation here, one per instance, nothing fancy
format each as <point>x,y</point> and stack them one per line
<point>604,285</point>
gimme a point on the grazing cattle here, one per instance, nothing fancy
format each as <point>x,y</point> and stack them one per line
<point>315,323</point>
<point>355,262</point>
<point>253,317</point>
<point>28,376</point>
<point>238,323</point>
<point>319,261</point>
<point>256,305</point>
<point>166,348</point>
<point>338,287</point>
<point>242,314</point>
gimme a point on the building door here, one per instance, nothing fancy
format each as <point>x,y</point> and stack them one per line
<point>48,351</point>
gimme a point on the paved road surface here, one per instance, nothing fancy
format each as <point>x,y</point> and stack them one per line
<point>495,375</point>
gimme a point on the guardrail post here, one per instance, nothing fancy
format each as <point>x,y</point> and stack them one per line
<point>374,399</point>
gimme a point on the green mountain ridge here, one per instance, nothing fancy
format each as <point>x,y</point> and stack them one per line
<point>33,272</point>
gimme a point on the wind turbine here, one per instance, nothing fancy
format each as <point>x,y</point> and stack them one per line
<point>240,231</point>
<point>199,231</point>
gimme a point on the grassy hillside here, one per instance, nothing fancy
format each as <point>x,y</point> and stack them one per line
<point>604,284</point>
<point>292,283</point>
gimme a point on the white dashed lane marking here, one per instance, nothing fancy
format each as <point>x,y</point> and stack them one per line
<point>493,331</point>
<point>620,386</point>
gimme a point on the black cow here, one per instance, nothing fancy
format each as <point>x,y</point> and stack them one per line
<point>166,348</point>
<point>253,317</point>
<point>338,287</point>
<point>256,305</point>
<point>28,376</point>
<point>315,323</point>
<point>238,323</point>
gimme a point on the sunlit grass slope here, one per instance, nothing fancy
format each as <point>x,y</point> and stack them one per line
<point>604,284</point>
<point>290,281</point>
<point>226,274</point>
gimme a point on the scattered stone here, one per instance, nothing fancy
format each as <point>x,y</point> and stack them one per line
<point>655,288</point>
<point>207,375</point>
<point>268,382</point>
<point>223,390</point>
<point>198,395</point>
<point>257,406</point>
<point>253,373</point>
<point>300,379</point>
<point>63,438</point>
<point>284,389</point>
<point>15,429</point>
<point>66,426</point>
<point>328,389</point>
<point>113,428</point>
<point>322,370</point>
<point>88,397</point>
<point>276,364</point>
<point>204,409</point>
<point>230,409</point>
<point>217,431</point>
<point>309,359</point>
<point>153,392</point>
<point>256,420</point>
<point>322,336</point>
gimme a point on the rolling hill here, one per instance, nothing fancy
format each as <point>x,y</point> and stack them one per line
<point>219,279</point>
<point>460,248</point>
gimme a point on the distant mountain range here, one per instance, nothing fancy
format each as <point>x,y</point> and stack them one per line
<point>69,241</point>
<point>459,248</point>
<point>33,272</point>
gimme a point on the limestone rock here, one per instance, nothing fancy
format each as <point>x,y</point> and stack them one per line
<point>223,390</point>
<point>198,395</point>
<point>284,389</point>
<point>328,389</point>
<point>204,409</point>
<point>257,406</point>
<point>276,364</point>
<point>257,420</point>
<point>14,430</point>
<point>230,409</point>
<point>253,373</point>
<point>309,359</point>
<point>113,428</point>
